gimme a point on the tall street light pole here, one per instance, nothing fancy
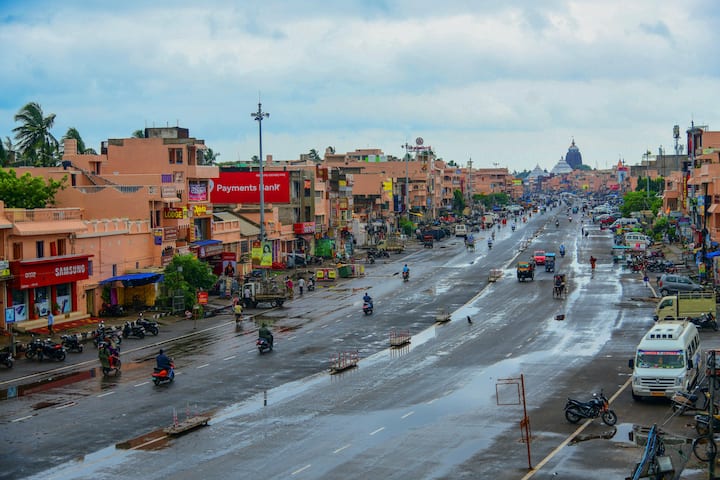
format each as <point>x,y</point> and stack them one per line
<point>258,116</point>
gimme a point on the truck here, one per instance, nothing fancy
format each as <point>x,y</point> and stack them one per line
<point>686,304</point>
<point>271,292</point>
<point>391,245</point>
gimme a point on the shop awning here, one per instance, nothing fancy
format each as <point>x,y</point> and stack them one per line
<point>204,243</point>
<point>135,279</point>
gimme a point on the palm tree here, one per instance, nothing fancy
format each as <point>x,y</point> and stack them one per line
<point>210,157</point>
<point>73,133</point>
<point>35,142</point>
<point>314,156</point>
<point>7,154</point>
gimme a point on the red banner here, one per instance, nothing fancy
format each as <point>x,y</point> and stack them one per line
<point>54,271</point>
<point>244,187</point>
<point>304,228</point>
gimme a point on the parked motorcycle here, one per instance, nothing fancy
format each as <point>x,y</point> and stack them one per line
<point>108,310</point>
<point>370,258</point>
<point>45,349</point>
<point>148,325</point>
<point>702,424</point>
<point>367,308</point>
<point>706,320</point>
<point>263,345</point>
<point>6,359</point>
<point>71,343</point>
<point>163,375</point>
<point>406,276</point>
<point>131,329</point>
<point>690,401</point>
<point>576,410</point>
<point>106,334</point>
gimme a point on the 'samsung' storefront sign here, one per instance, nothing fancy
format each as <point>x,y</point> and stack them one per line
<point>49,272</point>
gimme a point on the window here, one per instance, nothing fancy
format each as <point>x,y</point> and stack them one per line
<point>114,270</point>
<point>40,249</point>
<point>175,155</point>
<point>61,247</point>
<point>18,251</point>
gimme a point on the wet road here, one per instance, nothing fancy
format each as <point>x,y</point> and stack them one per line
<point>429,410</point>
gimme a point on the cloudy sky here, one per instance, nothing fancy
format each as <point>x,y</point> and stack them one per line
<point>508,83</point>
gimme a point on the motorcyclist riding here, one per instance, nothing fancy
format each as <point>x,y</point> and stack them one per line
<point>489,242</point>
<point>368,299</point>
<point>265,333</point>
<point>163,362</point>
<point>562,250</point>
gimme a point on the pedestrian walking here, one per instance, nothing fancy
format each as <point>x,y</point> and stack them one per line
<point>301,285</point>
<point>247,294</point>
<point>593,260</point>
<point>51,322</point>
<point>289,285</point>
<point>582,230</point>
<point>646,280</point>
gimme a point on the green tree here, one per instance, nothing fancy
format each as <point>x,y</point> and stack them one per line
<point>138,134</point>
<point>210,157</point>
<point>36,145</point>
<point>637,201</point>
<point>314,156</point>
<point>491,199</point>
<point>28,191</point>
<point>188,275</point>
<point>73,134</point>
<point>458,202</point>
<point>7,154</point>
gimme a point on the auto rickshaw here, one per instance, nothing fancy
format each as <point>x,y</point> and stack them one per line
<point>525,270</point>
<point>549,262</point>
<point>559,286</point>
<point>620,253</point>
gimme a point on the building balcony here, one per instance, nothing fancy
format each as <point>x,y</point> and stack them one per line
<point>18,215</point>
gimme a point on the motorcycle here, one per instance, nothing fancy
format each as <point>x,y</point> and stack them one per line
<point>263,345</point>
<point>133,330</point>
<point>688,401</point>
<point>7,359</point>
<point>71,343</point>
<point>114,363</point>
<point>108,310</point>
<point>562,252</point>
<point>370,258</point>
<point>706,320</point>
<point>105,334</point>
<point>45,349</point>
<point>702,423</point>
<point>311,285</point>
<point>512,227</point>
<point>163,375</point>
<point>148,325</point>
<point>406,276</point>
<point>557,223</point>
<point>367,308</point>
<point>489,245</point>
<point>576,410</point>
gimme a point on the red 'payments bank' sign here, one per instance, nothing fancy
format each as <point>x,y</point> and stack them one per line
<point>244,187</point>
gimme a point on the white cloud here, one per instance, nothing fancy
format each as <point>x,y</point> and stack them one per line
<point>509,83</point>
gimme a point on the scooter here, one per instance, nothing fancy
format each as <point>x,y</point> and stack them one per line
<point>45,349</point>
<point>311,285</point>
<point>576,410</point>
<point>706,320</point>
<point>557,223</point>
<point>489,245</point>
<point>113,360</point>
<point>71,343</point>
<point>163,375</point>
<point>406,276</point>
<point>690,401</point>
<point>367,308</point>
<point>263,345</point>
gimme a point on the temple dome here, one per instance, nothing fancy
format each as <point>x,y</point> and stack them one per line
<point>573,157</point>
<point>561,168</point>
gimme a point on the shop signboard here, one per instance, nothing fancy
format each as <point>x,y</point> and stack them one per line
<point>4,268</point>
<point>304,228</point>
<point>30,274</point>
<point>202,298</point>
<point>244,187</point>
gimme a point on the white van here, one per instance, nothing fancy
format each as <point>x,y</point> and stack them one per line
<point>635,238</point>
<point>461,230</point>
<point>667,360</point>
<point>625,223</point>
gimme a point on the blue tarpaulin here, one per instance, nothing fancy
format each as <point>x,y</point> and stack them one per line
<point>135,279</point>
<point>712,254</point>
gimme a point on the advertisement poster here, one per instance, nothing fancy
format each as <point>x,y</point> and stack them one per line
<point>267,258</point>
<point>244,187</point>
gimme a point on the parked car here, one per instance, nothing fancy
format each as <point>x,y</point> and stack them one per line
<point>671,283</point>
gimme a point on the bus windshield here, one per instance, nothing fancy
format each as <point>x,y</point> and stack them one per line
<point>660,359</point>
